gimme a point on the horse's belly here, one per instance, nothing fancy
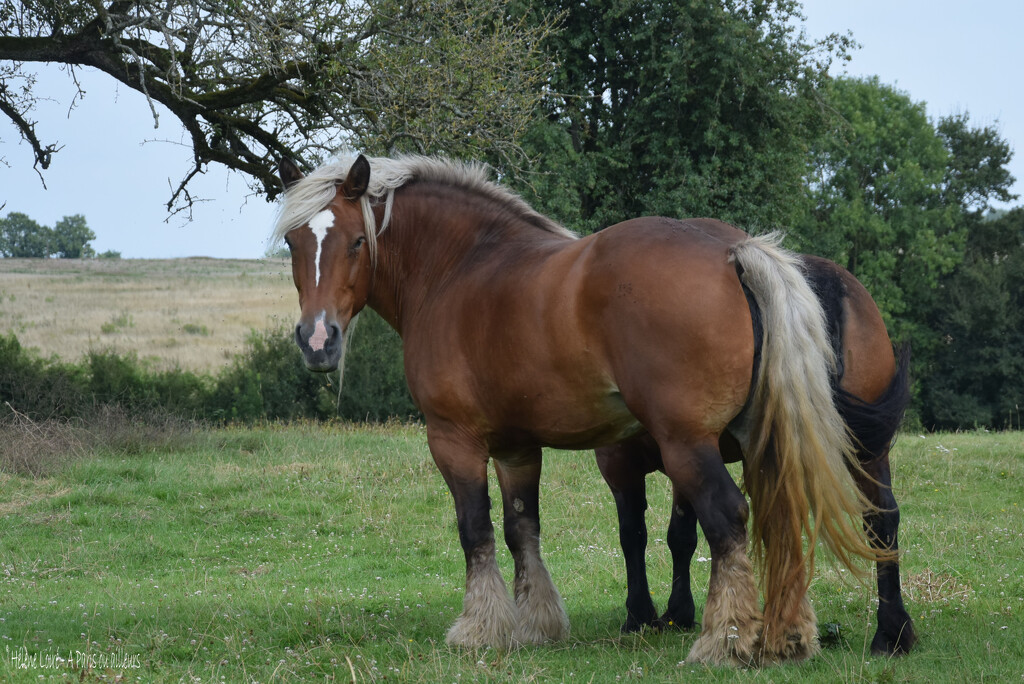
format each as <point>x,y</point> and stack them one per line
<point>582,424</point>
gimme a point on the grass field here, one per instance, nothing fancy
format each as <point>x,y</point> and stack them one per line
<point>307,553</point>
<point>190,313</point>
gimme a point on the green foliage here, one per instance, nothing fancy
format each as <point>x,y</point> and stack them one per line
<point>680,109</point>
<point>374,383</point>
<point>116,380</point>
<point>975,375</point>
<point>71,238</point>
<point>21,237</point>
<point>977,172</point>
<point>269,381</point>
<point>898,200</point>
<point>40,388</point>
<point>877,200</point>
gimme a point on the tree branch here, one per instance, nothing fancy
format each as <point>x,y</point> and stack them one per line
<point>43,154</point>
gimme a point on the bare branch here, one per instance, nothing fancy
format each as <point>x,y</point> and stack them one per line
<point>43,154</point>
<point>254,80</point>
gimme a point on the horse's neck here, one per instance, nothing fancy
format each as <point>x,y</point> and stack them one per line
<point>425,246</point>
<point>413,252</point>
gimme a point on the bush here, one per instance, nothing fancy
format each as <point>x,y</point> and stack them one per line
<point>374,384</point>
<point>267,381</point>
<point>40,388</point>
<point>116,380</point>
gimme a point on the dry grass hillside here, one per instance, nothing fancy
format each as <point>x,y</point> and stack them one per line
<point>194,313</point>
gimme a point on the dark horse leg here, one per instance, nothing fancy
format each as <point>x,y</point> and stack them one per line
<point>895,633</point>
<point>540,613</point>
<point>874,425</point>
<point>625,467</point>
<point>488,614</point>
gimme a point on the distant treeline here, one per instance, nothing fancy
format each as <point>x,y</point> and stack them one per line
<point>266,381</point>
<point>23,238</point>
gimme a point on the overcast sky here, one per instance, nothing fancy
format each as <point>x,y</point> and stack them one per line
<point>119,171</point>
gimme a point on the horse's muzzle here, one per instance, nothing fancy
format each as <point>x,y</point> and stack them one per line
<point>320,343</point>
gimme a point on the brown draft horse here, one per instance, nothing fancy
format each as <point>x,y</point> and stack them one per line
<point>517,335</point>
<point>871,392</point>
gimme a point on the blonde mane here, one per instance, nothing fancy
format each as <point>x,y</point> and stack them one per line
<point>314,192</point>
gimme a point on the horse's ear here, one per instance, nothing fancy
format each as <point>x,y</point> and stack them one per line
<point>289,172</point>
<point>358,179</point>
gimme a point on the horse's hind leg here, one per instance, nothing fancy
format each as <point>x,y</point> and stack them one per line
<point>732,620</point>
<point>895,634</point>
<point>540,614</point>
<point>488,615</point>
<point>625,467</point>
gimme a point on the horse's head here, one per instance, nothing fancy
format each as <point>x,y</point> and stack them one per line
<point>331,266</point>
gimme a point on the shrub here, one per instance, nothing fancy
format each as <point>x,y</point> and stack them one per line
<point>121,380</point>
<point>374,384</point>
<point>39,388</point>
<point>270,381</point>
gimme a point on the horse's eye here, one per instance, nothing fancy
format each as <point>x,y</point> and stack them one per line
<point>360,241</point>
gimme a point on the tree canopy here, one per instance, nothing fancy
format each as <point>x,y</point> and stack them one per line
<point>681,109</point>
<point>878,204</point>
<point>254,80</point>
<point>21,237</point>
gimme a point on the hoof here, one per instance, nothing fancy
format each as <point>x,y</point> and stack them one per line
<point>488,619</point>
<point>540,622</point>
<point>669,623</point>
<point>494,632</point>
<point>900,643</point>
<point>793,640</point>
<point>736,646</point>
<point>794,647</point>
<point>636,621</point>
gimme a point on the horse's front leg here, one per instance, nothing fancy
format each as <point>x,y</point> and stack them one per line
<point>682,543</point>
<point>541,615</point>
<point>488,615</point>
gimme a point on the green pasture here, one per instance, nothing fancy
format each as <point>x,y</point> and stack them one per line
<point>310,553</point>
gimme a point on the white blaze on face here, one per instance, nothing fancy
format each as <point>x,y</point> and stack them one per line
<point>319,225</point>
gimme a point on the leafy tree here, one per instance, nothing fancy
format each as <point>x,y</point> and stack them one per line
<point>975,375</point>
<point>899,200</point>
<point>977,172</point>
<point>974,366</point>
<point>878,200</point>
<point>254,80</point>
<point>679,108</point>
<point>71,238</point>
<point>21,237</point>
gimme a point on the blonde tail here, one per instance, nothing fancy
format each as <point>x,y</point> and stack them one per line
<point>797,466</point>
